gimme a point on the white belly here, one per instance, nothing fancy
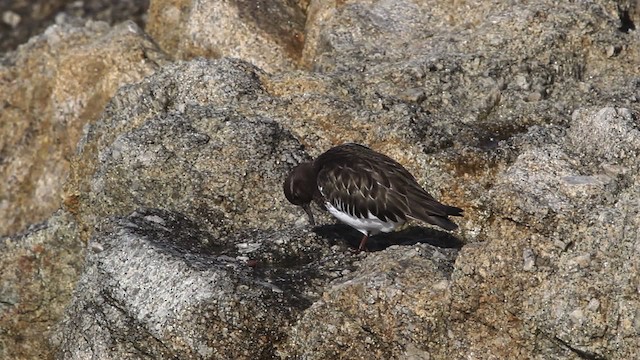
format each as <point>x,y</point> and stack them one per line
<point>371,225</point>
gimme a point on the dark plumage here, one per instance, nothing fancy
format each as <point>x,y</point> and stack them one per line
<point>365,189</point>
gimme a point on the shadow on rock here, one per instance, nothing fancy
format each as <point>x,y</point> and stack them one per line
<point>153,276</point>
<point>340,233</point>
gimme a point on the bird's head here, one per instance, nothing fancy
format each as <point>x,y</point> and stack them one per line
<point>300,187</point>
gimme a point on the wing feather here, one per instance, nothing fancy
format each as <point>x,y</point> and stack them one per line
<point>360,181</point>
<point>360,190</point>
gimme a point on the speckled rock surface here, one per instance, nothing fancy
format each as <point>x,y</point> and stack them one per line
<point>525,114</point>
<point>394,306</point>
<point>23,19</point>
<point>155,285</point>
<point>39,270</point>
<point>189,139</point>
<point>476,79</point>
<point>50,88</point>
<point>266,33</point>
<point>557,276</point>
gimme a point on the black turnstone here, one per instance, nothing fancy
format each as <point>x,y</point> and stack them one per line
<point>366,190</point>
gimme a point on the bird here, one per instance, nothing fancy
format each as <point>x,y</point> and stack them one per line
<point>366,190</point>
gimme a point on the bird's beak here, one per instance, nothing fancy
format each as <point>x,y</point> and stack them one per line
<point>307,209</point>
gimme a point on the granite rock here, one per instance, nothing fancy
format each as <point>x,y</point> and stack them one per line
<point>558,262</point>
<point>188,139</point>
<point>394,306</point>
<point>156,285</point>
<point>525,114</point>
<point>50,88</point>
<point>266,33</point>
<point>23,19</point>
<point>40,268</point>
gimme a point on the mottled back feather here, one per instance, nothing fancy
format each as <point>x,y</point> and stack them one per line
<point>359,181</point>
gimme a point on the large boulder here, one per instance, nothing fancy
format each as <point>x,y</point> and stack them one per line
<point>40,269</point>
<point>51,88</point>
<point>193,139</point>
<point>155,285</point>
<point>523,114</point>
<point>267,33</point>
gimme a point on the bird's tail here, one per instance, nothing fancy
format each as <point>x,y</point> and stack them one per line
<point>437,214</point>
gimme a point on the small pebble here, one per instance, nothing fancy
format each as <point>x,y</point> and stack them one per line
<point>560,244</point>
<point>594,305</point>
<point>529,260</point>
<point>10,18</point>
<point>96,247</point>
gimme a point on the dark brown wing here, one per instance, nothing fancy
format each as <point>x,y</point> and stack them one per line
<point>355,190</point>
<point>359,181</point>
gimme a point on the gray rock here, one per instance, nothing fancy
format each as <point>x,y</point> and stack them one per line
<point>581,223</point>
<point>155,285</point>
<point>609,138</point>
<point>182,141</point>
<point>395,305</point>
<point>486,75</point>
<point>38,272</point>
<point>27,19</point>
<point>518,112</point>
<point>266,33</point>
<point>47,100</point>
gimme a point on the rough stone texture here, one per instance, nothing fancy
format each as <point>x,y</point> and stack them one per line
<point>188,139</point>
<point>50,88</point>
<point>394,306</point>
<point>481,77</point>
<point>267,33</point>
<point>156,286</point>
<point>22,19</point>
<point>523,113</point>
<point>182,138</point>
<point>39,270</point>
<point>558,276</point>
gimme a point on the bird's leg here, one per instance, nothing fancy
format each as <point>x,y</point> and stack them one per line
<point>307,209</point>
<point>363,242</point>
